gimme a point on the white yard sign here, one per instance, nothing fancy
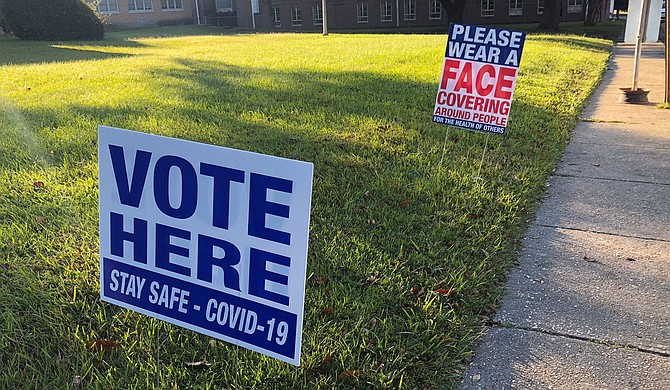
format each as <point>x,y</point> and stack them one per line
<point>205,237</point>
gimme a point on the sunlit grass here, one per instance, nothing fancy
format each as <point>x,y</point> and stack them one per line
<point>406,258</point>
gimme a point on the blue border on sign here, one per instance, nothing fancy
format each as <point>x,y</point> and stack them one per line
<point>238,321</point>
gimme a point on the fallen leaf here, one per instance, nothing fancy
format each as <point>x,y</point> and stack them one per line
<point>486,320</point>
<point>589,259</point>
<point>476,378</point>
<point>328,311</point>
<point>404,203</point>
<point>453,139</point>
<point>388,202</point>
<point>415,291</point>
<point>212,343</point>
<point>371,279</point>
<point>373,322</point>
<point>448,292</point>
<point>76,382</point>
<point>474,215</point>
<point>630,259</point>
<point>38,184</point>
<point>198,364</point>
<point>326,359</point>
<point>102,345</point>
<point>372,222</point>
<point>347,374</point>
<point>40,219</point>
<point>5,266</point>
<point>312,374</point>
<point>321,280</point>
<point>367,194</point>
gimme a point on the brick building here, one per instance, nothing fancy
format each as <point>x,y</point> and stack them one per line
<point>307,15</point>
<point>131,13</point>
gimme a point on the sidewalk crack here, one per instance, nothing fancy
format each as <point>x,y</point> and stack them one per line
<point>605,342</point>
<point>601,232</point>
<point>570,175</point>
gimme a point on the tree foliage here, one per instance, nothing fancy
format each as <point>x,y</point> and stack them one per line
<point>51,20</point>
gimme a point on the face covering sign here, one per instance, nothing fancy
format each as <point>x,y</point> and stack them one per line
<point>478,78</point>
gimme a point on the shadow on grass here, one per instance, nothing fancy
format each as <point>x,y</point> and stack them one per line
<point>19,52</point>
<point>581,43</point>
<point>388,221</point>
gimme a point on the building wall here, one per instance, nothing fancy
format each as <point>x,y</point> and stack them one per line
<point>343,14</point>
<point>120,13</point>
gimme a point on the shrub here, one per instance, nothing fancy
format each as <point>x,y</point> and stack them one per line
<point>51,20</point>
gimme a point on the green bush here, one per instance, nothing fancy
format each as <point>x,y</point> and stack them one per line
<point>52,20</point>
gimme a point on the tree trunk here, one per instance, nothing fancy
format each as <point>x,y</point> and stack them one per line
<point>551,17</point>
<point>593,9</point>
<point>455,10</point>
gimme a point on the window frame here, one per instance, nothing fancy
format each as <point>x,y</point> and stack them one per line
<point>135,9</point>
<point>317,15</point>
<point>434,10</point>
<point>107,3</point>
<point>488,8</point>
<point>385,11</point>
<point>223,9</point>
<point>296,16</point>
<point>362,14</point>
<point>575,6</point>
<point>409,10</point>
<point>172,9</point>
<point>276,16</point>
<point>517,10</point>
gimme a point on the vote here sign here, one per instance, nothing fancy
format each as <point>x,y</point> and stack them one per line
<point>205,237</point>
<point>478,77</point>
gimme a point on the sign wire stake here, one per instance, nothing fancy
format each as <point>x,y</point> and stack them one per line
<point>486,144</point>
<point>444,146</point>
<point>158,356</point>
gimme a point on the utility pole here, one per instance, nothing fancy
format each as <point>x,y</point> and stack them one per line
<point>667,62</point>
<point>324,15</point>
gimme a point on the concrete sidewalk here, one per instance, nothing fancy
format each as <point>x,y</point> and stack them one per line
<point>588,307</point>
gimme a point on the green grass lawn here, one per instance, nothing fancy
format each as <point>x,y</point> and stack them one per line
<point>407,257</point>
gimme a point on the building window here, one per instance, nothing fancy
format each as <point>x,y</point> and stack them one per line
<point>540,7</point>
<point>172,5</point>
<point>276,16</point>
<point>139,5</point>
<point>296,17</point>
<point>575,6</point>
<point>488,7</point>
<point>515,7</point>
<point>224,5</point>
<point>386,11</point>
<point>317,15</point>
<point>362,12</point>
<point>434,10</point>
<point>410,9</point>
<point>108,7</point>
